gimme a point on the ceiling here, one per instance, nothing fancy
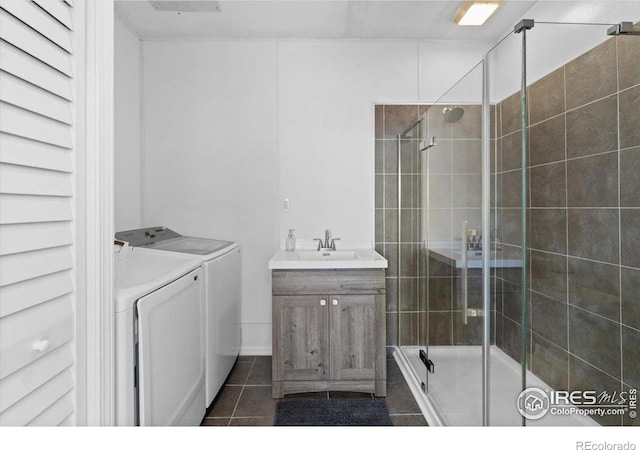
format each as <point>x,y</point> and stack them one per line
<point>313,19</point>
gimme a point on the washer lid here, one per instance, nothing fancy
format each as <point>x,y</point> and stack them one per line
<point>191,245</point>
<point>145,236</point>
<point>145,271</point>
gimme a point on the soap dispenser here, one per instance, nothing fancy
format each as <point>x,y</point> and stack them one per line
<point>291,241</point>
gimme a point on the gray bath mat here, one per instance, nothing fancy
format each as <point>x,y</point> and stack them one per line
<point>332,412</point>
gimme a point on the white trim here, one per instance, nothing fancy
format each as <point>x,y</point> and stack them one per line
<point>95,326</point>
<point>427,409</point>
<point>255,351</point>
<point>142,131</point>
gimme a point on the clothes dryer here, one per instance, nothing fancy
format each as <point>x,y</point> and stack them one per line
<point>220,261</point>
<point>159,338</point>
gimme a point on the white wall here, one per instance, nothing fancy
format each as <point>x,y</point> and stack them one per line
<point>127,54</point>
<point>444,63</point>
<point>326,95</point>
<point>234,127</point>
<point>211,156</point>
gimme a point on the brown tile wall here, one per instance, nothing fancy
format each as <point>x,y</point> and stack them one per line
<point>583,212</point>
<point>398,239</point>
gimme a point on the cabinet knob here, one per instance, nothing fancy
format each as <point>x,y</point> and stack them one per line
<point>41,346</point>
<point>323,302</point>
<point>334,302</point>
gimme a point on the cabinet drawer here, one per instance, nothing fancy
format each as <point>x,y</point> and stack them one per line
<point>338,281</point>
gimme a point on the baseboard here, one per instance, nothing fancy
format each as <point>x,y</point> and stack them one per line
<point>255,338</point>
<point>255,351</point>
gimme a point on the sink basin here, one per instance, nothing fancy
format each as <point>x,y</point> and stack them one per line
<point>360,258</point>
<point>315,255</point>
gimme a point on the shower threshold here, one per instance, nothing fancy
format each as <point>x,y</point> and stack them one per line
<point>459,402</point>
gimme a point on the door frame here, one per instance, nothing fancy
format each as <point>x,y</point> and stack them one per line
<point>94,186</point>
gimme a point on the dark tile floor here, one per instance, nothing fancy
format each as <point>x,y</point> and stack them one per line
<point>245,399</point>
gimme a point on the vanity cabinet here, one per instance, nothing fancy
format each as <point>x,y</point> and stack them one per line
<point>328,331</point>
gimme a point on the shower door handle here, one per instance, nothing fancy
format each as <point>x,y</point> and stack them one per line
<point>431,367</point>
<point>465,285</point>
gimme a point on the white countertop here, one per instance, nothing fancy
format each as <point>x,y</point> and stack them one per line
<point>357,258</point>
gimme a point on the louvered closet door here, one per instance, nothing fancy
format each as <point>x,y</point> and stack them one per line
<point>36,220</point>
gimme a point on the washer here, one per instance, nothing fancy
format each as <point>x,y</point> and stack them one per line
<point>220,261</point>
<point>159,331</point>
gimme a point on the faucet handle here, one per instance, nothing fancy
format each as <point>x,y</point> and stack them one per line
<point>333,243</point>
<point>319,242</point>
<point>327,238</point>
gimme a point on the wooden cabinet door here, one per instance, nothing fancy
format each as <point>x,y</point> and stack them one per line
<point>356,329</point>
<point>301,330</point>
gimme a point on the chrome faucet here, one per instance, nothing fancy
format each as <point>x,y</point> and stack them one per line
<point>474,240</point>
<point>328,242</point>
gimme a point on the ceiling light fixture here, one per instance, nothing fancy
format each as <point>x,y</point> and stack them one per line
<point>475,13</point>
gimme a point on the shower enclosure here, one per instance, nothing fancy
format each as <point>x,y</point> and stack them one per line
<point>517,263</point>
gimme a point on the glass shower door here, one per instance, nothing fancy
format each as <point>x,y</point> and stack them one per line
<point>410,261</point>
<point>502,212</point>
<point>452,173</point>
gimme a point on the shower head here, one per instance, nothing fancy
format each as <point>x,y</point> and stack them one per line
<point>452,114</point>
